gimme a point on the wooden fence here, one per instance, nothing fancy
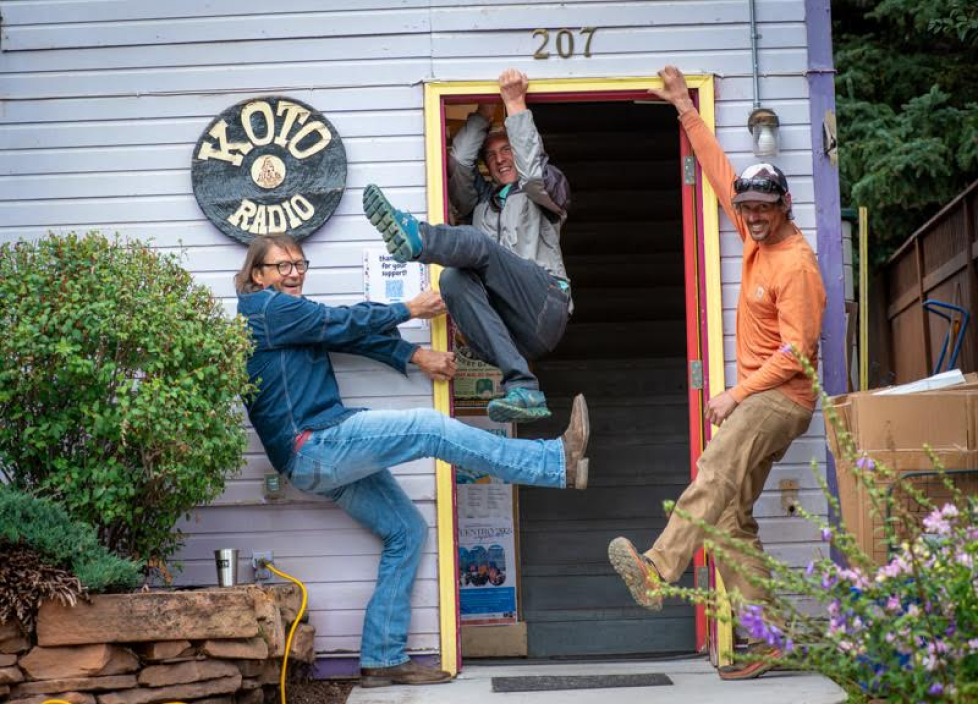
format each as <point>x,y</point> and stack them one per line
<point>939,262</point>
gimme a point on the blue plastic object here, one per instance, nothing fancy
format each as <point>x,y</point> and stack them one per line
<point>931,306</point>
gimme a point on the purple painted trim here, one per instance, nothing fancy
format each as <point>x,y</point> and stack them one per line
<point>828,217</point>
<point>349,668</point>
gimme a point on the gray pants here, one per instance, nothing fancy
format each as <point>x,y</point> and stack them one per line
<point>510,309</point>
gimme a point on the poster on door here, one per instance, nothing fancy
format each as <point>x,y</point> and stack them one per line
<point>486,542</point>
<point>388,281</point>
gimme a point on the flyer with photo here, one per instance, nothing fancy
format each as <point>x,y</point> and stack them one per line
<point>486,542</point>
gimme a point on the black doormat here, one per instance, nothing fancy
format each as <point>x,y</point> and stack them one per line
<point>548,683</point>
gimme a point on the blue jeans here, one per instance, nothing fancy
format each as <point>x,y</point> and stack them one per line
<point>348,463</point>
<point>510,309</point>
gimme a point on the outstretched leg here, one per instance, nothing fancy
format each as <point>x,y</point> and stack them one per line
<point>370,441</point>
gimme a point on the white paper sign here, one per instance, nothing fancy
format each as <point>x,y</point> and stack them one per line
<point>388,281</point>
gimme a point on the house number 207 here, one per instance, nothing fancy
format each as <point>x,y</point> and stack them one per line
<point>563,42</point>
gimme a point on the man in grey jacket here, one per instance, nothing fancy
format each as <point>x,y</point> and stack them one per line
<point>505,284</point>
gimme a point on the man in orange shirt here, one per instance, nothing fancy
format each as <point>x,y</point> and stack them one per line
<point>781,302</point>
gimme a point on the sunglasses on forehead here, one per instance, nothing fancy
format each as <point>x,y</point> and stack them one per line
<point>763,185</point>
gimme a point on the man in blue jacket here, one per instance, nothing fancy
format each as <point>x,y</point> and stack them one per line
<point>505,284</point>
<point>325,448</point>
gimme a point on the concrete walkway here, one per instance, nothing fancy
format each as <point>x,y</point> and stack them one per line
<point>694,682</point>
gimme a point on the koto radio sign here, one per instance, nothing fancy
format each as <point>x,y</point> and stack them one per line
<point>270,165</point>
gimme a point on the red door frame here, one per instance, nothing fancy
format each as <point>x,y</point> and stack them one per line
<point>695,288</point>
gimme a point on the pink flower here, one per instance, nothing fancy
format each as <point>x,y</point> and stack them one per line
<point>896,567</point>
<point>937,523</point>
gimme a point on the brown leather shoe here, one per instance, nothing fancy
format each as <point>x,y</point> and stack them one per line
<point>575,444</point>
<point>409,672</point>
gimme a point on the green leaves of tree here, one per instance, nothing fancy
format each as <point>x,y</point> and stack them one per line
<point>120,385</point>
<point>908,109</point>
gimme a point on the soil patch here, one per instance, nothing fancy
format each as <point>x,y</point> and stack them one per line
<point>318,691</point>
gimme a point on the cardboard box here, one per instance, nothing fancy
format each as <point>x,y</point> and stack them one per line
<point>893,430</point>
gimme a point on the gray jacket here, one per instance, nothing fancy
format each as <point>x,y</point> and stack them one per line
<point>536,207</point>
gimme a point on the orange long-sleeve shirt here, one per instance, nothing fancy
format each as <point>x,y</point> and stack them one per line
<point>782,296</point>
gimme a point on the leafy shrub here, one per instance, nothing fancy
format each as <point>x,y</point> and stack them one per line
<point>907,630</point>
<point>119,388</point>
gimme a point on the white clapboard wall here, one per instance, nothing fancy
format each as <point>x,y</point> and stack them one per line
<point>102,101</point>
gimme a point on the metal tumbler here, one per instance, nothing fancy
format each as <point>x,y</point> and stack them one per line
<point>227,566</point>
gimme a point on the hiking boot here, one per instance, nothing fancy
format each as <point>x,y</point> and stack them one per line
<point>406,673</point>
<point>640,575</point>
<point>761,658</point>
<point>399,229</point>
<point>519,405</point>
<point>575,444</point>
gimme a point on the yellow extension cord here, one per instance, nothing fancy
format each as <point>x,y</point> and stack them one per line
<point>288,642</point>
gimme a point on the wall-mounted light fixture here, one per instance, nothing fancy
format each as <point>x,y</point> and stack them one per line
<point>763,125</point>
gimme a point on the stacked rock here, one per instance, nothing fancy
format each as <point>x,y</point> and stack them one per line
<point>212,646</point>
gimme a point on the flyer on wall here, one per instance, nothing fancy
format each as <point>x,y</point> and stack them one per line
<point>388,281</point>
<point>486,542</point>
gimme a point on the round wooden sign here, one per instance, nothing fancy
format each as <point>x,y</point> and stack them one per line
<point>267,166</point>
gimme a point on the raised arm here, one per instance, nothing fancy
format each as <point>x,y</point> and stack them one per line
<point>710,154</point>
<point>542,182</point>
<point>466,186</point>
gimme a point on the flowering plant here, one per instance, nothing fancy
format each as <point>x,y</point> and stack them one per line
<point>905,630</point>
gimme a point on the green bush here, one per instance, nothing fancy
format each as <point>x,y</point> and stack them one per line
<point>119,392</point>
<point>61,542</point>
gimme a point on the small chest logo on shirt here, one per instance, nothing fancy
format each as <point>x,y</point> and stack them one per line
<point>759,293</point>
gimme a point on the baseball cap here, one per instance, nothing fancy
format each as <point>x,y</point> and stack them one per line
<point>760,183</point>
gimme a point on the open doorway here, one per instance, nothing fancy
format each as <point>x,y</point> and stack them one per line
<point>625,349</point>
<point>641,249</point>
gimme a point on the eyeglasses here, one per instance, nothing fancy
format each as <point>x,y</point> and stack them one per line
<point>285,268</point>
<point>764,185</point>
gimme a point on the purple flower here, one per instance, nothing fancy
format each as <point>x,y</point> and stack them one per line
<point>937,523</point>
<point>936,688</point>
<point>752,619</point>
<point>810,569</point>
<point>866,464</point>
<point>786,349</point>
<point>826,535</point>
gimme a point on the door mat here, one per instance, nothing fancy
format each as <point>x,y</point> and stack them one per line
<point>549,683</point>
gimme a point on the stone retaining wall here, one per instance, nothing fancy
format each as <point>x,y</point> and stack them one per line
<point>208,646</point>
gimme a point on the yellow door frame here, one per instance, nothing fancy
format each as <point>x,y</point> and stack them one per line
<point>435,172</point>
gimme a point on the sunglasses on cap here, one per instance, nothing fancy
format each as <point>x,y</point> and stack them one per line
<point>762,185</point>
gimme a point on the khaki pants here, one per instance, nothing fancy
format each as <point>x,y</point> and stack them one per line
<point>730,477</point>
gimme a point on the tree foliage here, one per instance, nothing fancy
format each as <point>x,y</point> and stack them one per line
<point>907,97</point>
<point>119,391</point>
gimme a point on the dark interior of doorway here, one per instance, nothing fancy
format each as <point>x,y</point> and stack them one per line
<point>625,349</point>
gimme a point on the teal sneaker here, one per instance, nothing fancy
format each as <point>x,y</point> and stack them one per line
<point>519,406</point>
<point>399,229</point>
